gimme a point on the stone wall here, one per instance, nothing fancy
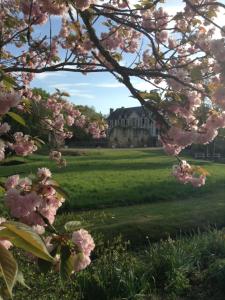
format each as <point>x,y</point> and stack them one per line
<point>131,137</point>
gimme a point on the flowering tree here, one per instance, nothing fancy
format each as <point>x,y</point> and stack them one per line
<point>181,55</point>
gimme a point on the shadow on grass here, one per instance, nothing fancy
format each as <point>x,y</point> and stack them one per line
<point>111,166</point>
<point>139,193</point>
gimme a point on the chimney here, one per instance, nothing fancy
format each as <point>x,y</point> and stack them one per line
<point>111,111</point>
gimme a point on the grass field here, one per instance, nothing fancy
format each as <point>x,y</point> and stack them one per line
<point>132,192</point>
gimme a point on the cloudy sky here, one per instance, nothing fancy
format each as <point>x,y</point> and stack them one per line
<point>99,90</point>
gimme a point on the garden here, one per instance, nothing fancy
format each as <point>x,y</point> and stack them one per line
<point>110,223</point>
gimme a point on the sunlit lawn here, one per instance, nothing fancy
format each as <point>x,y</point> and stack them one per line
<point>132,191</point>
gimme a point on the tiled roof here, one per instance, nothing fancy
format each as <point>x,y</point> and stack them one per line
<point>126,112</point>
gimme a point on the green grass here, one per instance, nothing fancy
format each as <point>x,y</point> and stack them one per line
<point>140,223</point>
<point>111,178</point>
<point>133,193</point>
<point>189,269</point>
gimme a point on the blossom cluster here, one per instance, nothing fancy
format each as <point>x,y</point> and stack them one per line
<point>184,173</point>
<point>38,11</point>
<point>64,115</point>
<point>57,157</point>
<point>23,145</point>
<point>33,201</point>
<point>83,4</point>
<point>85,243</point>
<point>8,100</point>
<point>80,244</point>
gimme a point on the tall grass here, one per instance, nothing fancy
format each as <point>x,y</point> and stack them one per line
<point>188,268</point>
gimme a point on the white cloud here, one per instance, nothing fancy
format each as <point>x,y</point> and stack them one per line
<point>68,85</point>
<point>45,75</point>
<point>146,86</point>
<point>79,94</point>
<point>109,85</point>
<point>86,84</point>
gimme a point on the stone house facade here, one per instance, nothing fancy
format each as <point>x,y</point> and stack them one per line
<point>132,127</point>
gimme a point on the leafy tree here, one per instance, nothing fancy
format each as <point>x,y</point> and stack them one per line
<point>181,55</point>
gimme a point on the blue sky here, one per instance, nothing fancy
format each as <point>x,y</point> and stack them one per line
<point>99,90</point>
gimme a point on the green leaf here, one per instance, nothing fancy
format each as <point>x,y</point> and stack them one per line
<point>72,225</point>
<point>38,142</point>
<point>9,81</point>
<point>61,191</point>
<point>24,237</point>
<point>9,268</point>
<point>58,189</point>
<point>16,118</point>
<point>66,263</point>
<point>21,279</point>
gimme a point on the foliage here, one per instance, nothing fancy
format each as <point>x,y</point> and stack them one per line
<point>189,268</point>
<point>79,133</point>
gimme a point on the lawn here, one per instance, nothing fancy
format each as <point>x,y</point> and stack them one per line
<point>132,191</point>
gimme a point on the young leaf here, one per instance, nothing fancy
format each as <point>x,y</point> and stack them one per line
<point>9,268</point>
<point>24,237</point>
<point>21,280</point>
<point>72,225</point>
<point>16,118</point>
<point>9,81</point>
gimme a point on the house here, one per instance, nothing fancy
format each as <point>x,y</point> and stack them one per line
<point>132,127</point>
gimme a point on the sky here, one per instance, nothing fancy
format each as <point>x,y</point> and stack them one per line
<point>99,90</point>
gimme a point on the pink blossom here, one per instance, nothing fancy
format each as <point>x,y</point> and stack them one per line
<point>162,36</point>
<point>171,43</point>
<point>172,149</point>
<point>84,241</point>
<point>55,155</point>
<point>81,261</point>
<point>198,181</point>
<point>83,4</point>
<point>8,100</point>
<point>21,205</point>
<point>219,96</point>
<point>4,128</point>
<point>39,229</point>
<point>184,174</point>
<point>44,173</point>
<point>69,120</point>
<point>23,144</point>
<point>53,8</point>
<point>2,150</point>
<point>25,183</point>
<point>12,182</point>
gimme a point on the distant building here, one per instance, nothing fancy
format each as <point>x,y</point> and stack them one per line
<point>132,127</point>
